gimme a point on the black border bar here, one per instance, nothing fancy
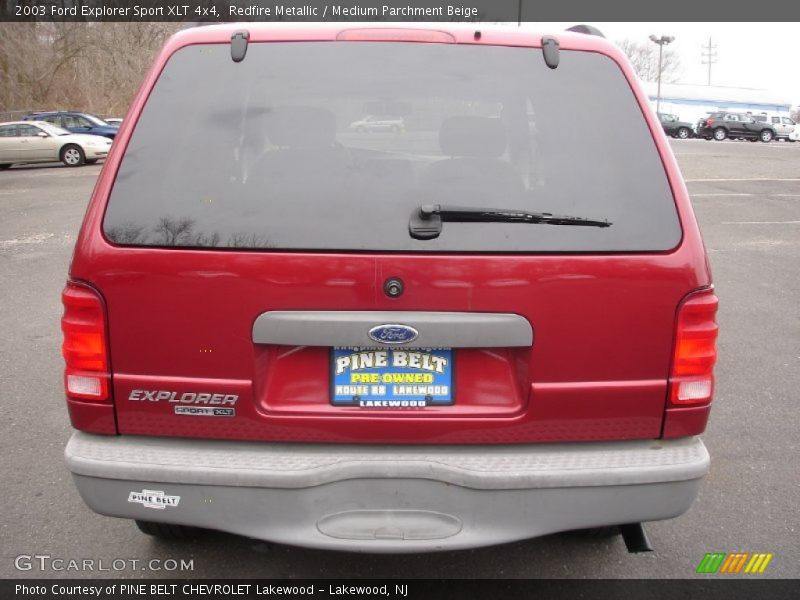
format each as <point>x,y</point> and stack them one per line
<point>395,10</point>
<point>733,588</point>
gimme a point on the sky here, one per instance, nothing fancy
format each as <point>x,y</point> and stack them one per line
<point>754,55</point>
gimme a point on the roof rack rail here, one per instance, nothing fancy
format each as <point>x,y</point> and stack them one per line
<point>586,29</point>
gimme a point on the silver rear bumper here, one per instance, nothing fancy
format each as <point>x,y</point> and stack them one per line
<point>386,499</point>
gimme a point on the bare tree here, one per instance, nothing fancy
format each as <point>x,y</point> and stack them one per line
<point>644,58</point>
<point>174,232</point>
<point>95,67</point>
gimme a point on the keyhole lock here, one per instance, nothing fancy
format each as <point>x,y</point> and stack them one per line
<point>393,287</point>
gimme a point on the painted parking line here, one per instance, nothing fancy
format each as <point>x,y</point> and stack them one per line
<point>36,238</point>
<point>725,194</point>
<point>744,179</point>
<point>761,222</point>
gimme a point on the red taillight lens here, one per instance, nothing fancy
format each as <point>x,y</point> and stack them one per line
<point>709,122</point>
<point>692,377</point>
<point>85,347</point>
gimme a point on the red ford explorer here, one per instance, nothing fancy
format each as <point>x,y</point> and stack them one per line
<point>492,323</point>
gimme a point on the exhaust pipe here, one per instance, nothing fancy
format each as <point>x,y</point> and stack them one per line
<point>635,538</point>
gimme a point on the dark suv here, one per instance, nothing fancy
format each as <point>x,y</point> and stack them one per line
<point>472,332</point>
<point>76,122</point>
<point>674,127</point>
<point>721,125</point>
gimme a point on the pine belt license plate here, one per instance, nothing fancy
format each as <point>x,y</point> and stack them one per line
<point>392,377</point>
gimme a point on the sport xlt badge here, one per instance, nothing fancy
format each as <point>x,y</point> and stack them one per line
<point>393,334</point>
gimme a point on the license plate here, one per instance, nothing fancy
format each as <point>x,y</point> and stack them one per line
<point>391,377</point>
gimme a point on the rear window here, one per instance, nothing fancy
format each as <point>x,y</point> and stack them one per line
<point>333,146</point>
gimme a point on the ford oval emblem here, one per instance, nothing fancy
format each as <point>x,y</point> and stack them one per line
<point>393,334</point>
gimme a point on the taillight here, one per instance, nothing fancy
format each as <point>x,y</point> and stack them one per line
<point>85,347</point>
<point>692,378</point>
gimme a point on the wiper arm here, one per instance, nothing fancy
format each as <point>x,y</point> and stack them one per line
<point>426,221</point>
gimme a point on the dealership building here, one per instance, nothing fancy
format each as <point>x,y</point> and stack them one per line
<point>691,102</point>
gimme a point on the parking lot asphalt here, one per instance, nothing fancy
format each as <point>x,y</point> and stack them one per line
<point>747,198</point>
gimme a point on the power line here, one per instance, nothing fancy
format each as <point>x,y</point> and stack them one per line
<point>709,55</point>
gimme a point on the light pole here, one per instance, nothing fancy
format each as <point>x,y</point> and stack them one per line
<point>661,41</point>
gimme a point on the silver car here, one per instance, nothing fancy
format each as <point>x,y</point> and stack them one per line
<point>37,141</point>
<point>783,126</point>
<point>370,124</point>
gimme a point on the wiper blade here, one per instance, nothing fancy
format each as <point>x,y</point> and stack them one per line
<point>426,221</point>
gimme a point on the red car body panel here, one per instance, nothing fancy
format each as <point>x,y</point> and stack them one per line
<point>598,369</point>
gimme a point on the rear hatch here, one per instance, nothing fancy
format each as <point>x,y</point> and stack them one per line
<point>255,244</point>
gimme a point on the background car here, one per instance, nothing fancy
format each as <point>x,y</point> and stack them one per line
<point>721,125</point>
<point>76,122</point>
<point>370,123</point>
<point>674,127</point>
<point>34,141</point>
<point>783,125</point>
<point>116,121</point>
<point>795,135</point>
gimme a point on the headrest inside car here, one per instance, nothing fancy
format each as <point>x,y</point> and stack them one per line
<point>301,126</point>
<point>481,137</point>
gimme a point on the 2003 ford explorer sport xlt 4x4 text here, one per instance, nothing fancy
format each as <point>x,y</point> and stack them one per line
<point>467,331</point>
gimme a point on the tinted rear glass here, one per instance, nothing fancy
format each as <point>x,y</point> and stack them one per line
<point>333,145</point>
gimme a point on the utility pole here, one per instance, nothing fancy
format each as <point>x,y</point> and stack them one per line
<point>661,41</point>
<point>709,57</point>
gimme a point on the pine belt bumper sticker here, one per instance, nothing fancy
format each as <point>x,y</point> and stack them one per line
<point>153,499</point>
<point>392,378</point>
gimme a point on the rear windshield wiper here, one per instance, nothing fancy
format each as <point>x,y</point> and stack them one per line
<point>426,221</point>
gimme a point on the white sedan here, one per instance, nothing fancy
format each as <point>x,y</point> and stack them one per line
<point>370,123</point>
<point>794,136</point>
<point>37,141</point>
